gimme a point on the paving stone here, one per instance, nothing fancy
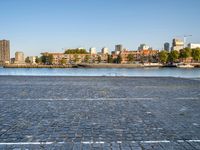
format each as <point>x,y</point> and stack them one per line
<point>73,110</point>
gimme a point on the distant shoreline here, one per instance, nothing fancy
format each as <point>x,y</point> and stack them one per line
<point>90,66</point>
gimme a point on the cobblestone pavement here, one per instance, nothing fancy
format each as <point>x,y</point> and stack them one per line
<point>99,113</point>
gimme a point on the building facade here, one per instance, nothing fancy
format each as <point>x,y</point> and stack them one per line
<point>105,50</point>
<point>193,46</point>
<point>4,52</point>
<point>144,47</point>
<point>118,49</point>
<point>177,44</point>
<point>125,54</point>
<point>19,58</point>
<point>32,59</point>
<point>93,50</point>
<point>167,46</point>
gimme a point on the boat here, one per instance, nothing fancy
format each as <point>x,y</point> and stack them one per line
<point>184,66</point>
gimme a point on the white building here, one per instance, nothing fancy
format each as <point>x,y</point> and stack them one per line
<point>19,58</point>
<point>93,50</point>
<point>193,45</point>
<point>32,59</point>
<point>105,50</point>
<point>177,44</point>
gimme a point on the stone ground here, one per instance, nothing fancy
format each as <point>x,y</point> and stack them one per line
<point>99,113</point>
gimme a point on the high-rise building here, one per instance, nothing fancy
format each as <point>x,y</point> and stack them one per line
<point>177,44</point>
<point>167,46</point>
<point>93,50</point>
<point>118,49</point>
<point>19,58</point>
<point>4,51</point>
<point>105,50</point>
<point>144,47</point>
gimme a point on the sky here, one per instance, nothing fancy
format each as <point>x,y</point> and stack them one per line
<point>35,26</point>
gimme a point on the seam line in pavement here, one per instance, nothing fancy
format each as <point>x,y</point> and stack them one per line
<point>100,99</point>
<point>99,142</point>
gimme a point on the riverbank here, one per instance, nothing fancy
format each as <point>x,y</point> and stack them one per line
<point>100,65</point>
<point>37,66</point>
<point>83,66</point>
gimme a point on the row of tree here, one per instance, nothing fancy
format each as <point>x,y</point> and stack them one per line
<point>76,51</point>
<point>175,56</point>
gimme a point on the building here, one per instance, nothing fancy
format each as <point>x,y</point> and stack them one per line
<point>57,57</point>
<point>105,50</point>
<point>19,58</point>
<point>124,56</point>
<point>148,56</point>
<point>71,58</point>
<point>167,46</point>
<point>177,44</point>
<point>4,52</point>
<point>144,47</point>
<point>193,46</point>
<point>32,59</point>
<point>118,49</point>
<point>93,51</point>
<point>12,60</point>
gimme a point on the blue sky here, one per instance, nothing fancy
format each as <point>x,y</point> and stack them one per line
<point>35,26</point>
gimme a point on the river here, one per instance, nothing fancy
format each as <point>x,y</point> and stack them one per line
<point>135,72</point>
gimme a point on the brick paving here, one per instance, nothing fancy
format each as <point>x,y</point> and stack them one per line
<point>99,113</point>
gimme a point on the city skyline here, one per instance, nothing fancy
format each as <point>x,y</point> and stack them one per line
<point>34,27</point>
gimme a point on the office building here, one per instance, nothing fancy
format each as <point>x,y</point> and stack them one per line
<point>4,52</point>
<point>167,46</point>
<point>118,49</point>
<point>144,47</point>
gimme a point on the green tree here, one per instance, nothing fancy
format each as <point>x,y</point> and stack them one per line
<point>185,53</point>
<point>150,58</point>
<point>119,59</point>
<point>130,58</point>
<point>38,60</point>
<point>43,59</point>
<point>196,54</point>
<point>76,51</point>
<point>76,59</point>
<point>99,59</point>
<point>163,56</point>
<point>87,59</point>
<point>63,61</point>
<point>142,57</point>
<point>27,60</point>
<point>50,59</point>
<point>110,59</point>
<point>173,56</point>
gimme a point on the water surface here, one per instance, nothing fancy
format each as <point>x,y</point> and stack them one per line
<point>135,72</point>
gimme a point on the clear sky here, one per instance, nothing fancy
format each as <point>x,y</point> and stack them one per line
<point>35,26</point>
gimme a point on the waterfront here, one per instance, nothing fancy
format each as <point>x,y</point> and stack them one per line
<point>145,72</point>
<point>99,113</point>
